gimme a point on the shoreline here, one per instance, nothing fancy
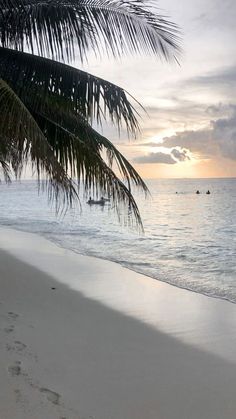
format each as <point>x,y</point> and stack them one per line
<point>94,353</point>
<point>216,297</point>
<point>100,280</point>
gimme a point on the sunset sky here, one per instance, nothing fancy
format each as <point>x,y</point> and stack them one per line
<point>190,129</point>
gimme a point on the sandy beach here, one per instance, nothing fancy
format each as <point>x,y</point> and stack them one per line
<point>85,338</point>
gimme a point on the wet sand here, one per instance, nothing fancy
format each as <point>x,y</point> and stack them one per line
<point>107,343</point>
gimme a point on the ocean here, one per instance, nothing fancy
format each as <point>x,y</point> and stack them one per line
<point>189,239</point>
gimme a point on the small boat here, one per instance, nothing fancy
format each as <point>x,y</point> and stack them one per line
<point>94,202</point>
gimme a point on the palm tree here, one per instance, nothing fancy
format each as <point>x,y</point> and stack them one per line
<point>47,108</point>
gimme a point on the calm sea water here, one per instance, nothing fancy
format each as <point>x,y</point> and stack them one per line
<point>189,240</point>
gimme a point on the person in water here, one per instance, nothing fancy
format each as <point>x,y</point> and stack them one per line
<point>208,192</point>
<point>197,192</point>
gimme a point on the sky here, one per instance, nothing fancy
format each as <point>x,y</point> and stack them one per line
<point>190,126</point>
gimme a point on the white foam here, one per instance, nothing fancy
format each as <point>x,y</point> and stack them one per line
<point>195,319</point>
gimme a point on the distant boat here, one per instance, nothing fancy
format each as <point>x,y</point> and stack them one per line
<point>94,202</point>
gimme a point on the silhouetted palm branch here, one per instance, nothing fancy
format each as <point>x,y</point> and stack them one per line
<point>22,140</point>
<point>54,28</point>
<point>47,107</point>
<point>89,157</point>
<point>54,151</point>
<point>71,137</point>
<point>5,168</point>
<point>48,80</point>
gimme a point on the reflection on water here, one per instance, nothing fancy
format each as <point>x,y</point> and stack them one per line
<point>189,240</point>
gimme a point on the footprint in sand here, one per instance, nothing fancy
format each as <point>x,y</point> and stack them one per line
<point>9,329</point>
<point>52,396</point>
<point>15,369</point>
<point>19,397</point>
<point>17,346</point>
<point>12,315</point>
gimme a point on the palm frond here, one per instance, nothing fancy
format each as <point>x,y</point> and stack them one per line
<point>5,168</point>
<point>23,141</point>
<point>47,108</point>
<point>119,26</point>
<point>77,91</point>
<point>47,27</point>
<point>75,126</point>
<point>54,151</point>
<point>80,150</point>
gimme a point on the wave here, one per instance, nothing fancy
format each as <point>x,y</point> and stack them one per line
<point>195,252</point>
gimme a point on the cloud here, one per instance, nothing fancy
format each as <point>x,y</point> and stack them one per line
<point>196,141</point>
<point>218,139</point>
<point>174,156</point>
<point>175,110</point>
<point>180,155</point>
<point>158,157</point>
<point>223,77</point>
<point>221,110</point>
<point>216,14</point>
<point>149,144</point>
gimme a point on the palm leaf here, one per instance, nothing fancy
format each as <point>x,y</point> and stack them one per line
<point>80,150</point>
<point>22,140</point>
<point>76,127</point>
<point>46,107</point>
<point>53,27</point>
<point>77,91</point>
<point>53,151</point>
<point>5,169</point>
<point>49,27</point>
